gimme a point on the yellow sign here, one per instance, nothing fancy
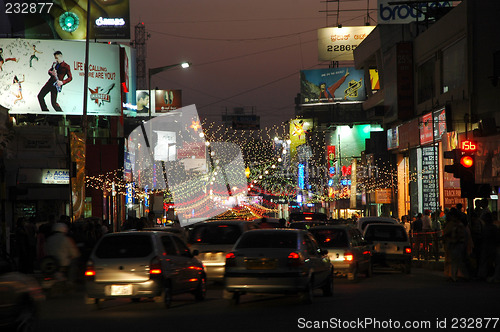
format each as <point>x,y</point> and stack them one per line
<point>383,196</point>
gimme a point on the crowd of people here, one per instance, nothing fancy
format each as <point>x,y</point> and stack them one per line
<point>471,241</point>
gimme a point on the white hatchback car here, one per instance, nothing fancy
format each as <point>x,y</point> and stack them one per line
<point>390,246</point>
<point>143,264</point>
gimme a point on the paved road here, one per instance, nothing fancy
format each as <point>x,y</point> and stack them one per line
<point>389,299</point>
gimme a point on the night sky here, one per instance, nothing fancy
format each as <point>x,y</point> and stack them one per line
<point>244,53</point>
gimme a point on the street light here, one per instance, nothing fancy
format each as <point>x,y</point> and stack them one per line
<point>154,71</point>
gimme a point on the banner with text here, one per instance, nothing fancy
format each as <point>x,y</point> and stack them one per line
<point>51,80</point>
<point>338,44</point>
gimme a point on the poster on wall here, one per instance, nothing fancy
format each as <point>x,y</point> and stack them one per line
<point>163,102</point>
<point>47,77</point>
<point>332,85</point>
<point>65,20</point>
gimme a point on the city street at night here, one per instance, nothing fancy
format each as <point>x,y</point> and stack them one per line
<point>424,298</point>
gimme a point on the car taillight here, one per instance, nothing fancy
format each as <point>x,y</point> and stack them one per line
<point>348,257</point>
<point>155,266</point>
<point>89,270</point>
<point>294,259</point>
<point>408,250</point>
<point>231,259</point>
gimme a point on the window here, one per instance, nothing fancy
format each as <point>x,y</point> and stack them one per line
<point>331,238</point>
<point>426,79</point>
<point>215,234</point>
<point>183,249</point>
<point>453,66</point>
<point>168,245</point>
<point>268,240</point>
<point>125,246</point>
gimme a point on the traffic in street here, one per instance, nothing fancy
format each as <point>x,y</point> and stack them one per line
<point>422,299</point>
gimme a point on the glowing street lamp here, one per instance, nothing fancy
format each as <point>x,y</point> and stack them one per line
<point>154,71</point>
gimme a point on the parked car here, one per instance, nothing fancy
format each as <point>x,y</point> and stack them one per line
<point>20,297</point>
<point>143,264</point>
<point>213,240</point>
<point>348,251</point>
<point>283,261</point>
<point>365,221</point>
<point>390,246</point>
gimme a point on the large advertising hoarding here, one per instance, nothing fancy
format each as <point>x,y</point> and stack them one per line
<point>163,102</point>
<point>406,13</point>
<point>338,44</point>
<point>332,85</point>
<point>67,20</point>
<point>298,131</point>
<point>51,80</point>
<point>128,56</point>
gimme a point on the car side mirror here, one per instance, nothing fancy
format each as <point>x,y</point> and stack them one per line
<point>196,252</point>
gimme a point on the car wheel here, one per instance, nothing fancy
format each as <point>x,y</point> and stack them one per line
<point>369,271</point>
<point>201,289</point>
<point>235,299</point>
<point>328,288</point>
<point>26,320</point>
<point>353,276</point>
<point>407,268</point>
<point>91,300</point>
<point>306,296</point>
<point>165,299</point>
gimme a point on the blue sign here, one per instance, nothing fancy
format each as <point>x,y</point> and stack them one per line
<point>301,176</point>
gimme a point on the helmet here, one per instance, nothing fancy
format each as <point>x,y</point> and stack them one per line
<point>60,227</point>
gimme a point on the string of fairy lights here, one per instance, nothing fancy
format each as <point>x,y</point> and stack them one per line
<point>268,175</point>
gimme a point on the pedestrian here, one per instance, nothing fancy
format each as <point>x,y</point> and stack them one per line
<point>64,249</point>
<point>488,247</point>
<point>426,221</point>
<point>406,223</point>
<point>461,213</point>
<point>454,235</point>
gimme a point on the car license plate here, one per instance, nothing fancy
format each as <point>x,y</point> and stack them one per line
<point>260,264</point>
<point>121,290</point>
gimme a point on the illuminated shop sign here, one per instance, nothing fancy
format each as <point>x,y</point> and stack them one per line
<point>55,176</point>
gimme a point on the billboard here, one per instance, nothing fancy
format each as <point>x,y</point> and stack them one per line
<point>338,44</point>
<point>403,13</point>
<point>163,102</point>
<point>298,131</point>
<point>323,86</point>
<point>66,20</point>
<point>128,72</point>
<point>51,80</point>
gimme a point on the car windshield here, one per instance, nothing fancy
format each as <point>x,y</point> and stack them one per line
<point>268,240</point>
<point>125,246</point>
<point>215,234</point>
<point>386,233</point>
<point>368,222</point>
<point>331,238</point>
